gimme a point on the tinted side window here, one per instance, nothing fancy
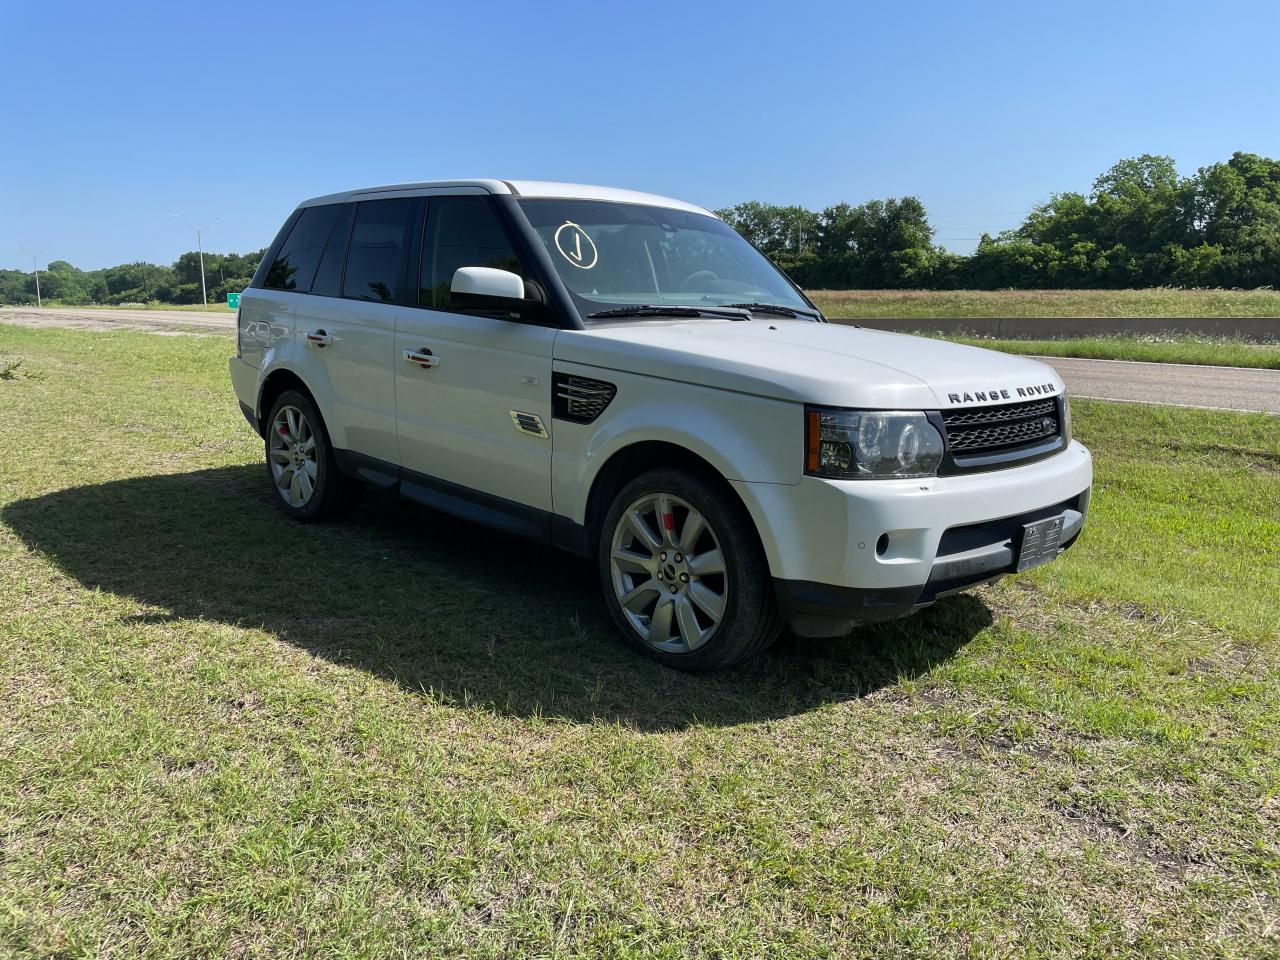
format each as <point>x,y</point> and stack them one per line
<point>461,232</point>
<point>295,264</point>
<point>328,282</point>
<point>379,250</point>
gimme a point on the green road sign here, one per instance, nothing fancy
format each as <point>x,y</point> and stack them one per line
<point>233,301</point>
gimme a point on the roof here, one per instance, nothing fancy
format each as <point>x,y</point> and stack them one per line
<point>519,188</point>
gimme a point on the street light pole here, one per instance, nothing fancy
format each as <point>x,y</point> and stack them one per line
<point>35,266</point>
<point>204,295</point>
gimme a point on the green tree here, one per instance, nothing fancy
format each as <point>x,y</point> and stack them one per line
<point>1237,209</point>
<point>780,232</point>
<point>882,243</point>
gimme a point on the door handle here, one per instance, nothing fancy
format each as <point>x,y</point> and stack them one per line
<point>319,339</point>
<point>423,358</point>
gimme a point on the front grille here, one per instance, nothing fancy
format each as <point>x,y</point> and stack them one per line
<point>974,415</point>
<point>1007,426</point>
<point>580,399</point>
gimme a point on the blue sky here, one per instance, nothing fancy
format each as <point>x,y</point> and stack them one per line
<point>119,115</point>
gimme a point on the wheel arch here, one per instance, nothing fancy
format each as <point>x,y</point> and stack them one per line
<point>275,383</point>
<point>634,459</point>
<point>755,625</point>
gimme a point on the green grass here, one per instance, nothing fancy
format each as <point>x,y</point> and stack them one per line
<point>1214,351</point>
<point>1157,302</point>
<point>228,735</point>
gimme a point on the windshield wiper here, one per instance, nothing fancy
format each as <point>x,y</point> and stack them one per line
<point>651,310</point>
<point>775,308</point>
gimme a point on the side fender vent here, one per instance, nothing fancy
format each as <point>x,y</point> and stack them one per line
<point>579,399</point>
<point>529,423</point>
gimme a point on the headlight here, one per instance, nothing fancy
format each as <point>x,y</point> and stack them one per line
<point>1066,419</point>
<point>870,444</point>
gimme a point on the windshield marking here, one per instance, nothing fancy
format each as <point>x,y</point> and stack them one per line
<point>575,255</point>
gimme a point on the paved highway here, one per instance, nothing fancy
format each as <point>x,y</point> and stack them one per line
<point>1229,388</point>
<point>1179,384</point>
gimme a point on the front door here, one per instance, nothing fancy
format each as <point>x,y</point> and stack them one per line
<point>473,392</point>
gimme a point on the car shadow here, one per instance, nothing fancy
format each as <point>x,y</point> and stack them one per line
<point>437,604</point>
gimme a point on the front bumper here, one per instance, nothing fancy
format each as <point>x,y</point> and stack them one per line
<point>967,556</point>
<point>872,550</point>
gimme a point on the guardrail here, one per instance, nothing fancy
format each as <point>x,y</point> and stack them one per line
<point>1260,329</point>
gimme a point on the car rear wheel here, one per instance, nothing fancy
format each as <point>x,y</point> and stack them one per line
<point>683,573</point>
<point>300,460</point>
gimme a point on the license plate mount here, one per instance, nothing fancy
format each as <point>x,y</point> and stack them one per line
<point>1040,542</point>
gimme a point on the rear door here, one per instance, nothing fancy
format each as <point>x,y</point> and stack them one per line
<point>346,323</point>
<point>479,419</point>
<point>267,308</point>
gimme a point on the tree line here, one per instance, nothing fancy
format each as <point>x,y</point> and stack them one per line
<point>1141,225</point>
<point>140,282</point>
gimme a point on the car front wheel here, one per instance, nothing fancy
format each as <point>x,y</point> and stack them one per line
<point>683,572</point>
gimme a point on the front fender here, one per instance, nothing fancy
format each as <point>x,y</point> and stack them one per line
<point>745,438</point>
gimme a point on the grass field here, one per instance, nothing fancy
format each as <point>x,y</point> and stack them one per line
<point>1213,351</point>
<point>1158,302</point>
<point>228,735</point>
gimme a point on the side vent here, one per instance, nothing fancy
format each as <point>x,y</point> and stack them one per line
<point>529,423</point>
<point>579,399</point>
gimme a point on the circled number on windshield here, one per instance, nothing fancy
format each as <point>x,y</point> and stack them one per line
<point>575,246</point>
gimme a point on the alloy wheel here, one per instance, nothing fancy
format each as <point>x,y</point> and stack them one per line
<point>292,455</point>
<point>668,573</point>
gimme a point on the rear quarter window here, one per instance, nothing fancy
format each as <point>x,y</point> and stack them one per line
<point>328,281</point>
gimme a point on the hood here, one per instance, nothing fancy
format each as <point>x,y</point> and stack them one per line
<point>821,363</point>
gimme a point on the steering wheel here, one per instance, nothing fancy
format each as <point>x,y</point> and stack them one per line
<point>701,276</point>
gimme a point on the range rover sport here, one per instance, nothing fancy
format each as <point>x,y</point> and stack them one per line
<point>623,376</point>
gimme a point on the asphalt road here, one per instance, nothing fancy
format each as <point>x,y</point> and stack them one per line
<point>1227,388</point>
<point>1179,384</point>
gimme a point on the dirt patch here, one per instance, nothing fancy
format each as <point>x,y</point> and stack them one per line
<point>1106,830</point>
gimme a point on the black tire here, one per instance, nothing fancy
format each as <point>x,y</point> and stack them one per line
<point>332,493</point>
<point>750,620</point>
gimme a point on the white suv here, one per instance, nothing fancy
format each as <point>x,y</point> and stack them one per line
<point>622,375</point>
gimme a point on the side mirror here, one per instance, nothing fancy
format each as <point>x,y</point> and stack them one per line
<point>486,283</point>
<point>489,291</point>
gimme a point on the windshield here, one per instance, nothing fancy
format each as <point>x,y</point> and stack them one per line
<point>611,255</point>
